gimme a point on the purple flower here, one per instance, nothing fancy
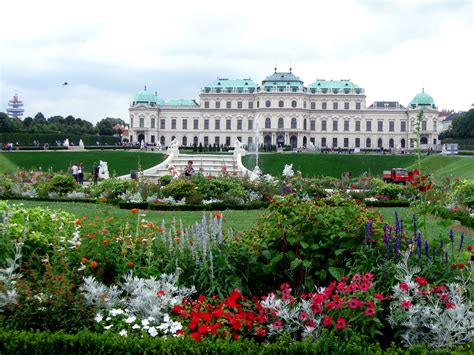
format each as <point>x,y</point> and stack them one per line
<point>462,241</point>
<point>451,235</point>
<point>427,251</point>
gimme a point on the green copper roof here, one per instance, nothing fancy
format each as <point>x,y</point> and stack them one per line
<point>333,84</point>
<point>232,83</point>
<point>422,99</point>
<point>148,97</point>
<point>181,102</point>
<point>282,78</point>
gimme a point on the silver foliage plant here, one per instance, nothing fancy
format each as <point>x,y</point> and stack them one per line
<point>8,294</point>
<point>421,315</point>
<point>151,297</point>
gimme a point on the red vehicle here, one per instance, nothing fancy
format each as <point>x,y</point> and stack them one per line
<point>399,175</point>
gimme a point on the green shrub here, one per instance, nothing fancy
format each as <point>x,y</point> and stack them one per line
<point>62,184</point>
<point>179,189</point>
<point>112,188</point>
<point>391,191</point>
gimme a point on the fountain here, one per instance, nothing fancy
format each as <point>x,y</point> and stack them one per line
<point>257,172</point>
<point>66,142</point>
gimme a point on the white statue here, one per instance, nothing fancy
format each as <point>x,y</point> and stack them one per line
<point>444,151</point>
<point>238,144</point>
<point>142,144</point>
<point>311,146</point>
<point>173,144</point>
<point>66,142</point>
<point>81,143</point>
<point>103,170</point>
<point>255,174</point>
<point>288,171</point>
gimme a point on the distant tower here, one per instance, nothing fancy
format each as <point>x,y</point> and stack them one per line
<point>15,107</point>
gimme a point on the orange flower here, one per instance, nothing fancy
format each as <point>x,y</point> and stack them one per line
<point>130,264</point>
<point>105,231</point>
<point>134,210</point>
<point>93,264</point>
<point>217,215</point>
<point>105,242</point>
<point>78,222</point>
<point>59,277</point>
<point>84,260</point>
<point>92,235</point>
<point>178,239</point>
<point>150,225</point>
<point>96,218</point>
<point>84,218</point>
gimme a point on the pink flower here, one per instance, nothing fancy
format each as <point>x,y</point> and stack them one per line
<point>364,286</point>
<point>368,276</point>
<point>421,281</point>
<point>303,316</point>
<point>404,286</point>
<point>356,278</point>
<point>449,305</point>
<point>369,311</point>
<point>277,324</point>
<point>341,323</point>
<point>378,296</point>
<point>355,303</point>
<point>327,321</point>
<point>406,304</point>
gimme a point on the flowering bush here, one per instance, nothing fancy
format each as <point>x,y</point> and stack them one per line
<point>439,316</point>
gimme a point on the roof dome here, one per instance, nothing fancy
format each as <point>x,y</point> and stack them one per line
<point>147,97</point>
<point>422,99</point>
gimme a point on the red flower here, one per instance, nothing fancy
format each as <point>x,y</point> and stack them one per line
<point>261,332</point>
<point>404,286</point>
<point>449,305</point>
<point>78,222</point>
<point>469,247</point>
<point>461,266</point>
<point>134,210</point>
<point>341,323</point>
<point>196,336</point>
<point>421,281</point>
<point>217,215</point>
<point>84,260</point>
<point>105,231</point>
<point>105,242</point>
<point>160,293</point>
<point>327,321</point>
<point>201,298</point>
<point>130,264</point>
<point>406,304</point>
<point>453,266</point>
<point>378,296</point>
<point>364,286</point>
<point>93,264</point>
<point>355,303</point>
<point>369,311</point>
<point>368,276</point>
<point>180,332</point>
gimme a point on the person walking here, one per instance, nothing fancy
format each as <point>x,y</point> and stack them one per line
<point>80,173</point>
<point>95,173</point>
<point>75,172</point>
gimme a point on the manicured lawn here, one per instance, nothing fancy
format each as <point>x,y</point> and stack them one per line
<point>120,162</point>
<point>237,220</point>
<point>448,166</point>
<point>315,164</point>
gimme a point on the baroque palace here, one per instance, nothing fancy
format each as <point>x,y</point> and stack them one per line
<point>283,111</point>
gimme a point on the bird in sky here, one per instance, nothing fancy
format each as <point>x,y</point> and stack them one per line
<point>65,83</point>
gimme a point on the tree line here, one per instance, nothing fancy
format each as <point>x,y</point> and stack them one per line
<point>59,124</point>
<point>462,127</point>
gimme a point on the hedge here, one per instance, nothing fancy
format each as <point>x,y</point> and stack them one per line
<point>51,138</point>
<point>212,206</point>
<point>462,216</point>
<point>387,203</point>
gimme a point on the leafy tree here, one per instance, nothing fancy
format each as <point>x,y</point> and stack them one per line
<point>105,127</point>
<point>462,127</point>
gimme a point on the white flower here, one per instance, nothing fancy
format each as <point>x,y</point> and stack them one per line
<point>123,333</point>
<point>130,319</point>
<point>116,311</point>
<point>136,326</point>
<point>107,327</point>
<point>145,322</point>
<point>152,331</point>
<point>98,318</point>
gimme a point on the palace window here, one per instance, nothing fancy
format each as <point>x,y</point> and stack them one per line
<point>239,104</point>
<point>173,123</point>
<point>334,142</point>
<point>293,103</point>
<point>324,106</point>
<point>268,103</point>
<point>153,123</point>
<point>162,123</point>
<point>185,123</point>
<point>334,125</point>
<point>391,126</point>
<point>206,104</point>
<point>346,142</point>
<point>357,126</point>
<point>227,141</point>
<point>379,126</point>
<point>313,105</point>
<point>323,142</point>
<point>196,124</point>
<point>217,124</point>
<point>357,105</point>
<point>281,103</point>
<point>293,123</point>
<point>346,126</point>
<point>250,125</point>
<point>239,124</point>
<point>423,125</point>
<point>268,123</point>
<point>218,104</point>
<point>312,125</point>
<point>368,126</point>
<point>357,142</point>
<point>368,143</point>
<point>250,104</point>
<point>403,126</point>
<point>346,106</point>
<point>185,141</point>
<point>142,122</point>
<point>323,125</point>
<point>335,105</point>
<point>228,104</point>
<point>228,124</point>
<point>217,140</point>
<point>206,141</point>
<point>281,123</point>
<point>206,124</point>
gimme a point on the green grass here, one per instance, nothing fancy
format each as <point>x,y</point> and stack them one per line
<point>447,166</point>
<point>313,164</point>
<point>120,162</point>
<point>237,220</point>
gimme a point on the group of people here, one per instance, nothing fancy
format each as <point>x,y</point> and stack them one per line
<point>77,172</point>
<point>188,171</point>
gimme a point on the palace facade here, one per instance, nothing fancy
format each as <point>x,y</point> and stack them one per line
<point>282,111</point>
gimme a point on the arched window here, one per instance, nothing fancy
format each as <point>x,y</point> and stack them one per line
<point>293,123</point>
<point>304,124</point>
<point>402,142</point>
<point>268,103</point>
<point>267,140</point>
<point>281,103</point>
<point>281,123</point>
<point>368,143</point>
<point>280,140</point>
<point>142,122</point>
<point>293,103</point>
<point>293,141</point>
<point>305,141</point>
<point>162,140</point>
<point>423,140</point>
<point>390,143</point>
<point>195,140</point>
<point>379,143</point>
<point>185,141</point>
<point>268,122</point>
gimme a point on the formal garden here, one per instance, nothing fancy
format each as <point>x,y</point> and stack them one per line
<point>281,264</point>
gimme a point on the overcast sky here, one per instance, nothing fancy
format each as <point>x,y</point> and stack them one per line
<point>108,50</point>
